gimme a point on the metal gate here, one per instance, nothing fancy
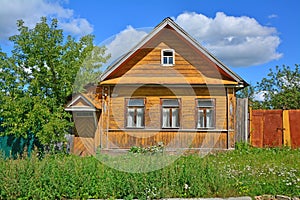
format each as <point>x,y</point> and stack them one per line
<point>266,128</point>
<point>275,128</point>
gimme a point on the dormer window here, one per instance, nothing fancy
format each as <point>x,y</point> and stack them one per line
<point>167,57</point>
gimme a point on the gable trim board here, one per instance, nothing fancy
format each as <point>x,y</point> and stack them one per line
<point>71,107</point>
<point>169,22</point>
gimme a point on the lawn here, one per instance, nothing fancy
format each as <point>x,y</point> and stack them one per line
<point>244,171</point>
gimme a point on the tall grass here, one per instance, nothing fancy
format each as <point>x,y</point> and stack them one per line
<point>245,171</point>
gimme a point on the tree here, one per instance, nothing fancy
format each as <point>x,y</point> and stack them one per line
<point>281,88</point>
<point>39,77</point>
<point>250,93</point>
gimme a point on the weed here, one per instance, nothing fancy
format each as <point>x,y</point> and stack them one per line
<point>245,171</point>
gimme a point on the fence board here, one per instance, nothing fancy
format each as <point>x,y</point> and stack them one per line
<point>242,122</point>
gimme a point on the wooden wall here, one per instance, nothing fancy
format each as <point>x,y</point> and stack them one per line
<point>113,133</point>
<point>191,66</point>
<point>153,96</point>
<point>171,139</point>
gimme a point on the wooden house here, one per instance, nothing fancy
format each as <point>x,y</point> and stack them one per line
<point>167,89</point>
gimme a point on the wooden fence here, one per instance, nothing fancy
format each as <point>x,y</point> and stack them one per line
<point>242,122</point>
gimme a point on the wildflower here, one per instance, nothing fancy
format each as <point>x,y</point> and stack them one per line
<point>186,186</point>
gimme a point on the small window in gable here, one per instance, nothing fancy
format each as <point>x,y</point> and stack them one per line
<point>167,57</point>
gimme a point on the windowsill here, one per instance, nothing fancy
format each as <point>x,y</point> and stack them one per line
<point>205,128</point>
<point>135,127</point>
<point>170,129</point>
<point>167,65</point>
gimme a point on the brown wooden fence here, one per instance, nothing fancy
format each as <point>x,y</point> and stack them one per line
<point>275,128</point>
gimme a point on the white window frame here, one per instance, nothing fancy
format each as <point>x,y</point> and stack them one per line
<point>133,121</point>
<point>208,114</point>
<point>170,115</point>
<point>167,57</point>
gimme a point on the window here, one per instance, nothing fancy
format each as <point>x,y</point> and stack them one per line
<point>135,113</point>
<point>84,114</point>
<point>167,57</point>
<point>170,113</point>
<point>205,113</point>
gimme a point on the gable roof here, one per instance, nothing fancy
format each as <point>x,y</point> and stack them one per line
<point>186,36</point>
<point>82,102</point>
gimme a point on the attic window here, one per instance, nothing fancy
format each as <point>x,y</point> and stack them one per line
<point>167,57</point>
<point>84,114</point>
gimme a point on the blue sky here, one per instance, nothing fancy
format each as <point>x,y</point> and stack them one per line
<point>249,36</point>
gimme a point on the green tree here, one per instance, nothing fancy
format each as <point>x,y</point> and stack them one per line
<point>250,93</point>
<point>39,77</point>
<point>281,88</point>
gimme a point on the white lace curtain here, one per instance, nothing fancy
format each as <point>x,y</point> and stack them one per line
<point>135,117</point>
<point>170,121</point>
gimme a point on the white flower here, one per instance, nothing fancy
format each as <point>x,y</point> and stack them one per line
<point>186,186</point>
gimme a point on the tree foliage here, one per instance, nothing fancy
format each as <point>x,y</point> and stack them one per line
<point>280,89</point>
<point>38,78</point>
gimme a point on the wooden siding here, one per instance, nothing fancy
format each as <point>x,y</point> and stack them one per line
<point>171,139</point>
<point>80,102</point>
<point>153,95</point>
<point>191,66</point>
<point>83,146</point>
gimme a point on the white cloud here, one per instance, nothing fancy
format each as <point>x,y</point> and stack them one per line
<point>32,10</point>
<point>236,41</point>
<point>260,96</point>
<point>122,42</point>
<point>77,26</point>
<point>273,16</point>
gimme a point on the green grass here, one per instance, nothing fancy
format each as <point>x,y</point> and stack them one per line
<point>245,171</point>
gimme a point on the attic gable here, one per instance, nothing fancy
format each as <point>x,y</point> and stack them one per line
<point>193,62</point>
<point>81,103</point>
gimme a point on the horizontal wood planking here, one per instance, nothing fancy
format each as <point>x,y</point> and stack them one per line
<point>188,60</point>
<point>153,107</point>
<point>125,140</point>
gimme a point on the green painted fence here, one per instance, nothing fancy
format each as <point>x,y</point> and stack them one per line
<point>13,147</point>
